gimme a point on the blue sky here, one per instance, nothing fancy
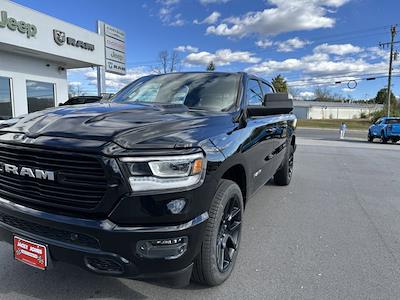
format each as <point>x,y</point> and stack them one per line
<point>310,42</point>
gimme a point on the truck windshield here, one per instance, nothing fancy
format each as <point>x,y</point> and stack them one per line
<point>205,91</point>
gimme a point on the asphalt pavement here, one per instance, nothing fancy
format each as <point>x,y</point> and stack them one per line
<point>334,233</point>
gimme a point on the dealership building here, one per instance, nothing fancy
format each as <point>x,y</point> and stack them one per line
<point>36,50</point>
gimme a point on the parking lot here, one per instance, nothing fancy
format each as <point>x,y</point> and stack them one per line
<point>333,233</point>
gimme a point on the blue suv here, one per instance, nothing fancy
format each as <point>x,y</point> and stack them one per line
<point>386,128</point>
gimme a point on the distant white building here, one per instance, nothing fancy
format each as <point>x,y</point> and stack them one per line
<point>332,110</point>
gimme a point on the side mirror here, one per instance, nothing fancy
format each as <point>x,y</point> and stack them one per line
<point>273,104</point>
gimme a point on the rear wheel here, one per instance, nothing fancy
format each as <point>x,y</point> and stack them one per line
<point>383,138</point>
<point>221,242</point>
<point>284,175</point>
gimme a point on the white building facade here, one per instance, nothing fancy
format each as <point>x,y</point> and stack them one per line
<point>35,52</point>
<point>333,110</point>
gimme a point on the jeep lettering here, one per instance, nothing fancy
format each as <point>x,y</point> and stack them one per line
<point>29,29</point>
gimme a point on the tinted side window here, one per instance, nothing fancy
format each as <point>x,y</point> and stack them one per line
<point>5,99</point>
<point>266,88</point>
<point>253,93</point>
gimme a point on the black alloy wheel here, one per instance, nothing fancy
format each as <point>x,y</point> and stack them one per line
<point>221,240</point>
<point>291,163</point>
<point>228,234</point>
<point>284,174</point>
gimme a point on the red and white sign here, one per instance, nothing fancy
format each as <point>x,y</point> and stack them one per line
<point>30,253</point>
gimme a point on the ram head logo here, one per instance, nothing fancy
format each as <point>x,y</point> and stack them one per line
<point>59,37</point>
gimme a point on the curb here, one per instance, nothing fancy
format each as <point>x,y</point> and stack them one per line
<point>319,128</point>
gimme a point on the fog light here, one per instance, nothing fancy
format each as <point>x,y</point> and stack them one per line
<point>163,248</point>
<point>176,206</point>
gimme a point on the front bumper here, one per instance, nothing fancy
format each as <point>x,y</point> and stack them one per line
<point>101,246</point>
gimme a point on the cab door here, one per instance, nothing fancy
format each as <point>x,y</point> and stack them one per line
<point>280,132</point>
<point>261,143</point>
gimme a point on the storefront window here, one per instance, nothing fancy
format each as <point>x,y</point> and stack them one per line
<point>5,99</point>
<point>40,95</point>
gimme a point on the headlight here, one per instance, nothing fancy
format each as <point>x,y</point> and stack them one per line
<point>166,173</point>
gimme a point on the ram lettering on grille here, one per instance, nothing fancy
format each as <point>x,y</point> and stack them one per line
<point>25,171</point>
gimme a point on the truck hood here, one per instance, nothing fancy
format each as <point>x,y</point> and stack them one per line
<point>128,125</point>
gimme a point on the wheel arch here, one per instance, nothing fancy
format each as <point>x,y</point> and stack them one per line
<point>237,173</point>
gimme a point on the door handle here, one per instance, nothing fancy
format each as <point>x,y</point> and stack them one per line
<point>271,130</point>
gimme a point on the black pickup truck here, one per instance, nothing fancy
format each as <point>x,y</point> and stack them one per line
<point>150,185</point>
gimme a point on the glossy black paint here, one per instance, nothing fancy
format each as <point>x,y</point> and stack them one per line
<point>232,139</point>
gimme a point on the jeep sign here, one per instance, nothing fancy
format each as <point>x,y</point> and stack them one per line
<point>12,24</point>
<point>114,46</point>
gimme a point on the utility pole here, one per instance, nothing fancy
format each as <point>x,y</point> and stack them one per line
<point>393,31</point>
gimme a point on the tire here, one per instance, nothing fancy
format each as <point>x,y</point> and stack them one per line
<point>227,202</point>
<point>284,174</point>
<point>370,137</point>
<point>383,138</point>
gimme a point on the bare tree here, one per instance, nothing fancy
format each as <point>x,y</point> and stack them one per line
<point>168,63</point>
<point>325,94</point>
<point>74,90</point>
<point>174,61</point>
<point>294,92</point>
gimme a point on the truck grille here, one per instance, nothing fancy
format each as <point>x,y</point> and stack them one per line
<point>79,185</point>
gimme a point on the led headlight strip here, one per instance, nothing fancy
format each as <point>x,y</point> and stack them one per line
<point>166,173</point>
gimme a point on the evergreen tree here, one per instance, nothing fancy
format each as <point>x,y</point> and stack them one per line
<point>211,67</point>
<point>280,84</point>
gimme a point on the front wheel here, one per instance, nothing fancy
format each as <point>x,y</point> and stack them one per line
<point>221,241</point>
<point>370,137</point>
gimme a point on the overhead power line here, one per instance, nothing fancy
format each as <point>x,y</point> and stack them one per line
<point>327,83</point>
<point>335,76</point>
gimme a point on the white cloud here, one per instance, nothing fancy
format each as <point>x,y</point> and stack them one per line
<point>116,82</point>
<point>169,2</point>
<point>284,16</point>
<point>186,48</point>
<point>221,57</point>
<point>205,2</point>
<point>290,44</point>
<point>265,43</point>
<point>338,49</point>
<point>347,90</point>
<point>177,21</point>
<point>75,83</point>
<point>375,53</point>
<point>167,15</point>
<point>283,46</point>
<point>306,95</point>
<point>320,63</point>
<point>211,19</point>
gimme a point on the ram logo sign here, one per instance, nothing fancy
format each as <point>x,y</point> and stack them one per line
<point>25,171</point>
<point>59,37</point>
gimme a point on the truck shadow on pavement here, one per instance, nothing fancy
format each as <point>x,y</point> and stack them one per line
<point>63,282</point>
<point>69,282</point>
